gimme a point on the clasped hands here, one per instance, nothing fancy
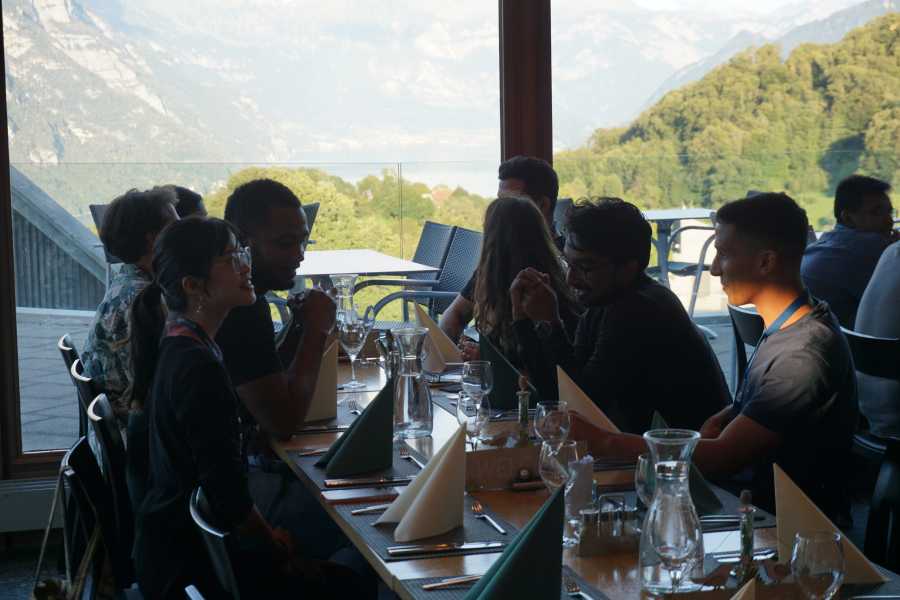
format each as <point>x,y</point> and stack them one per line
<point>532,297</point>
<point>315,309</point>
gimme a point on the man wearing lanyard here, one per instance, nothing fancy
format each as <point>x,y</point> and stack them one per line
<point>797,405</point>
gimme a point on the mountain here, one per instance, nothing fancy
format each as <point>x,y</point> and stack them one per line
<point>825,30</point>
<point>757,122</point>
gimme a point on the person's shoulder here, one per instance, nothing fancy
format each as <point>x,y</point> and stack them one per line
<point>187,353</point>
<point>650,301</point>
<point>244,318</point>
<point>816,339</point>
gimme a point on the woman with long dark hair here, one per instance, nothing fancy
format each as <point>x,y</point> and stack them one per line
<point>515,237</point>
<point>193,427</point>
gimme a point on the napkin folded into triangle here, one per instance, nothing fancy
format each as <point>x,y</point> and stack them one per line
<point>796,513</point>
<point>368,444</point>
<point>705,500</point>
<point>506,377</point>
<point>433,503</point>
<point>439,348</point>
<point>574,396</point>
<point>537,546</point>
<point>323,404</point>
<point>748,592</point>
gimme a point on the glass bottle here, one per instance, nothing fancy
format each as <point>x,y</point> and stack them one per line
<point>671,549</point>
<point>413,416</point>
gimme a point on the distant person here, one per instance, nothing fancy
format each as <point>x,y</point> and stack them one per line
<point>202,273</point>
<point>189,204</point>
<point>879,315</point>
<point>797,404</point>
<point>520,175</point>
<point>635,350</point>
<point>838,266</point>
<point>130,226</point>
<point>515,238</point>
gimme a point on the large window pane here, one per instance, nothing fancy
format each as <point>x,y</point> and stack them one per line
<point>387,117</point>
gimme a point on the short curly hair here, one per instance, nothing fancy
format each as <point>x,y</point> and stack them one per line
<point>612,228</point>
<point>131,217</point>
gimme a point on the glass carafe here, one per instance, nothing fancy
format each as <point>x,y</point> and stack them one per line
<point>671,552</point>
<point>413,416</point>
<point>343,288</point>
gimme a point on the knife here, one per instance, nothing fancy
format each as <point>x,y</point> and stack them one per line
<point>376,508</point>
<point>450,582</point>
<point>366,481</point>
<point>419,549</point>
<point>323,428</point>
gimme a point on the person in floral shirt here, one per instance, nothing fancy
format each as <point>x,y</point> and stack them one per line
<point>130,226</point>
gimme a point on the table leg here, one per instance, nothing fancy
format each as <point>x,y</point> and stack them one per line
<point>663,229</point>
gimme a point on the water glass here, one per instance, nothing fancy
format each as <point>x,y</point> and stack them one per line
<point>552,422</point>
<point>477,378</point>
<point>473,414</point>
<point>645,479</point>
<point>817,564</point>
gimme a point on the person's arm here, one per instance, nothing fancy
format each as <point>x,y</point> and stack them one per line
<point>457,316</point>
<point>279,401</point>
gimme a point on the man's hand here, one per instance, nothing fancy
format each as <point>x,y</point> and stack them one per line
<point>469,350</point>
<point>315,309</point>
<point>538,300</point>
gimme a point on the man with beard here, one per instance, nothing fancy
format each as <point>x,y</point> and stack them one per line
<point>635,350</point>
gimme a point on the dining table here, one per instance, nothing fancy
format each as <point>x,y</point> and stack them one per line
<point>616,576</point>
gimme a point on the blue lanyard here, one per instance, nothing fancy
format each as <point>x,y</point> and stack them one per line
<point>799,302</point>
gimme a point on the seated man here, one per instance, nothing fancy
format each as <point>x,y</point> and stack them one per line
<point>519,175</point>
<point>130,226</point>
<point>879,315</point>
<point>797,404</point>
<point>635,350</point>
<point>838,266</point>
<point>275,385</point>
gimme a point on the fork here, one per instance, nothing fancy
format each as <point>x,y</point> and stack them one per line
<point>353,406</point>
<point>574,590</point>
<point>478,511</point>
<point>405,455</point>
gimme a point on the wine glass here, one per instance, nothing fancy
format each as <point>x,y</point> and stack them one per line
<point>645,479</point>
<point>473,414</point>
<point>477,378</point>
<point>817,564</point>
<point>352,332</point>
<point>552,422</point>
<point>552,472</point>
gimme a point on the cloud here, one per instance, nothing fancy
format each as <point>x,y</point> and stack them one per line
<point>443,42</point>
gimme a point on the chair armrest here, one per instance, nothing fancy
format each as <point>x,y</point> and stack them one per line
<point>410,295</point>
<point>422,283</point>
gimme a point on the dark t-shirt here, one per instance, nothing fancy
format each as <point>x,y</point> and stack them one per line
<point>194,439</point>
<point>801,384</point>
<point>247,340</point>
<point>639,354</point>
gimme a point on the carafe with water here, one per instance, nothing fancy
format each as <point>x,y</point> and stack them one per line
<point>413,416</point>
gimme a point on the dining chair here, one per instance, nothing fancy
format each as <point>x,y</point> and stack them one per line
<point>310,210</point>
<point>69,355</point>
<point>560,214</point>
<point>94,505</point>
<point>114,460</point>
<point>882,543</point>
<point>193,593</point>
<point>98,211</point>
<point>214,538</point>
<point>83,384</point>
<point>748,328</point>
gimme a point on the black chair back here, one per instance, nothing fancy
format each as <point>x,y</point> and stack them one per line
<point>83,384</point>
<point>214,538</point>
<point>748,328</point>
<point>883,528</point>
<point>70,355</point>
<point>432,249</point>
<point>112,453</point>
<point>310,210</point>
<point>875,356</point>
<point>98,211</point>
<point>95,507</point>
<point>193,593</point>
<point>462,259</point>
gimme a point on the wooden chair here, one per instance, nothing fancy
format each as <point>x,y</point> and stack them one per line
<point>70,355</point>
<point>214,538</point>
<point>748,328</point>
<point>113,457</point>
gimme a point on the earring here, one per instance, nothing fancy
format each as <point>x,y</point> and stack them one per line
<point>199,307</point>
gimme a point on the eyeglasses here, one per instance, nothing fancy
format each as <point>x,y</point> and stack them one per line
<point>240,258</point>
<point>582,270</point>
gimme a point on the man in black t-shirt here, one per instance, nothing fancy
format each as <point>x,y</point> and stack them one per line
<point>635,350</point>
<point>797,404</point>
<point>520,175</point>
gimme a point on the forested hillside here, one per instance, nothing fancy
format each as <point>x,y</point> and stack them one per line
<point>760,123</point>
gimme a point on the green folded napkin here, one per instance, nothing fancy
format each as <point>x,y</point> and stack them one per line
<point>537,546</point>
<point>368,444</point>
<point>506,378</point>
<point>705,500</point>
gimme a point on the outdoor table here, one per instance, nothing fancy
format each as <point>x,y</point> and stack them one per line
<point>664,219</point>
<point>615,576</point>
<point>358,261</point>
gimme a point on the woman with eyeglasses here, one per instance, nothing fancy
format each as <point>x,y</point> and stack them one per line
<point>193,432</point>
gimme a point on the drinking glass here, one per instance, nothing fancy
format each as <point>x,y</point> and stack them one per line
<point>817,563</point>
<point>645,479</point>
<point>555,469</point>
<point>473,414</point>
<point>477,378</point>
<point>552,422</point>
<point>353,331</point>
